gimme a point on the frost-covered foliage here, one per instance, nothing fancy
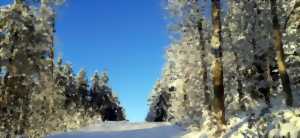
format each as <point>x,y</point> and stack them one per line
<point>251,76</point>
<point>27,82</point>
<point>103,100</point>
<point>160,104</point>
<point>36,96</point>
<point>183,85</point>
<point>291,29</point>
<point>247,37</point>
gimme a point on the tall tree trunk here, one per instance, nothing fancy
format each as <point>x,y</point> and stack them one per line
<point>278,44</point>
<point>204,63</point>
<point>217,67</point>
<point>52,66</point>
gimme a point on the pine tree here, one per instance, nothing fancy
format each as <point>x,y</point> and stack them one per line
<point>71,87</point>
<point>104,102</point>
<point>159,104</point>
<point>38,97</point>
<point>181,89</point>
<point>48,15</point>
<point>250,71</point>
<point>20,49</point>
<point>72,96</point>
<point>24,55</point>
<point>82,87</point>
<point>95,89</point>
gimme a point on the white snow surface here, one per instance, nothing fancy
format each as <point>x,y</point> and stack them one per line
<point>125,129</point>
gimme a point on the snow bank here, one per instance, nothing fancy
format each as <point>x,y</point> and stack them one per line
<point>278,121</point>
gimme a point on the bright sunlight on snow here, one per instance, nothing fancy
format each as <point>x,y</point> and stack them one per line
<point>125,130</point>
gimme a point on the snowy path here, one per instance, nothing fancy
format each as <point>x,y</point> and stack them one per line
<point>125,130</point>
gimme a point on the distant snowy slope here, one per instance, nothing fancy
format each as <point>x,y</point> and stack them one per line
<point>125,130</point>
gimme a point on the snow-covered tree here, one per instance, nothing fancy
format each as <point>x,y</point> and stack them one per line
<point>82,88</point>
<point>251,77</point>
<point>30,98</point>
<point>160,103</point>
<point>24,56</point>
<point>184,88</point>
<point>291,38</point>
<point>104,101</point>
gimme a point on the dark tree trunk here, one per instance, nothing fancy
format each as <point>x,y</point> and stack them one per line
<point>52,47</point>
<point>278,45</point>
<point>217,67</point>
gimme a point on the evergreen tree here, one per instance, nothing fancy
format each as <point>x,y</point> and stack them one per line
<point>24,57</point>
<point>186,73</point>
<point>95,89</point>
<point>104,102</point>
<point>243,32</point>
<point>160,103</point>
<point>82,88</point>
<point>72,96</point>
<point>36,96</point>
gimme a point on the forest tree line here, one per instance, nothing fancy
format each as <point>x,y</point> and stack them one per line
<point>37,94</point>
<point>226,58</point>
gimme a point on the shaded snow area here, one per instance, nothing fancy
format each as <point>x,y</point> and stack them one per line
<point>125,130</point>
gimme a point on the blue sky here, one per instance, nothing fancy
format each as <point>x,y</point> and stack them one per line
<point>127,38</point>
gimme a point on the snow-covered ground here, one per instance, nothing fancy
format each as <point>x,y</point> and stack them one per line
<point>125,130</point>
<point>277,121</point>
